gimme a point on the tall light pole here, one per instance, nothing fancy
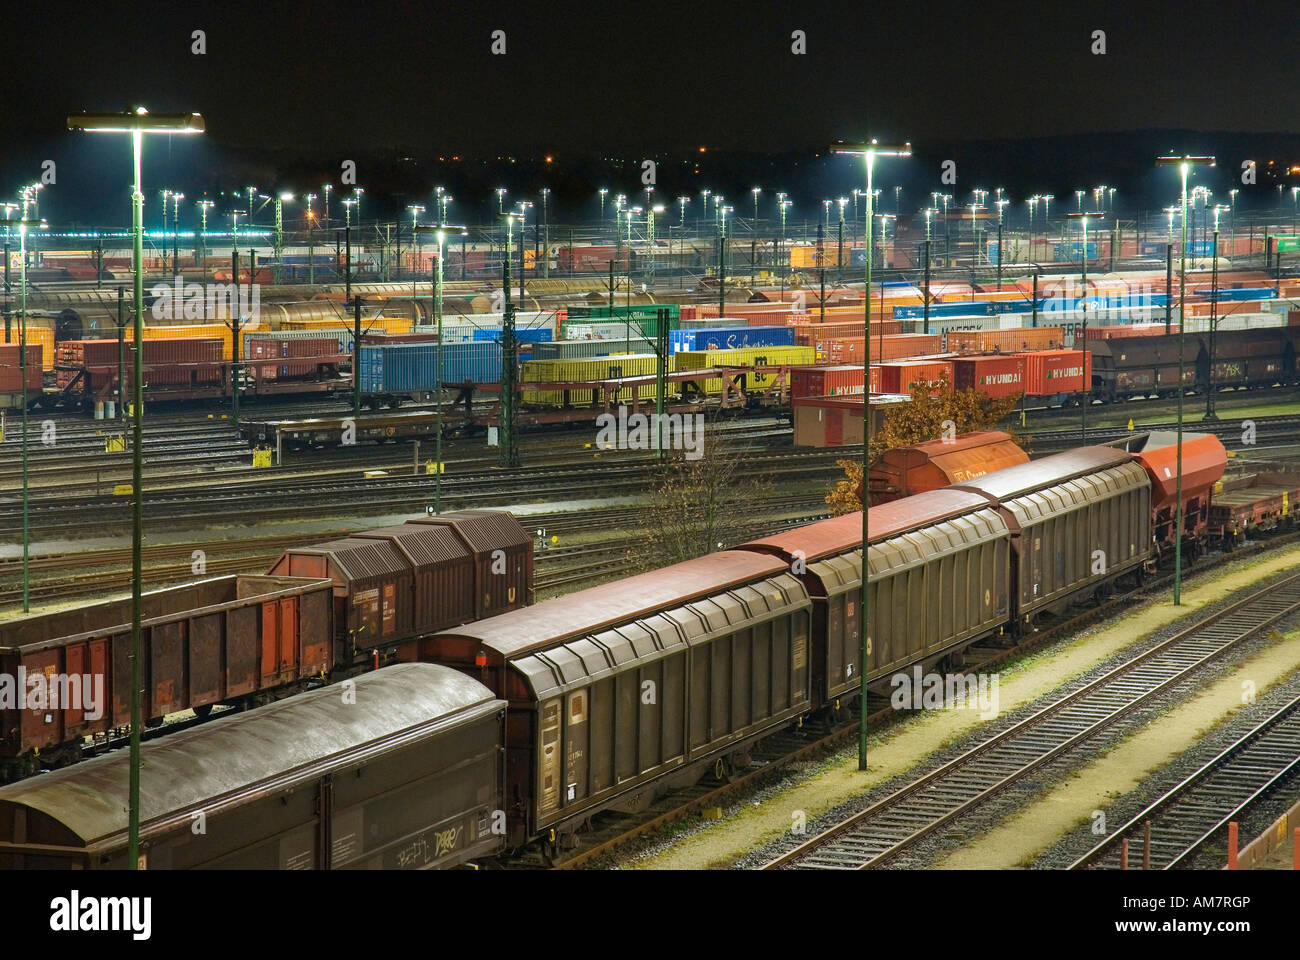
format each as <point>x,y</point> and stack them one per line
<point>252,192</point>
<point>310,218</point>
<point>440,231</point>
<point>176,231</point>
<point>1184,165</point>
<point>326,188</point>
<point>839,249</point>
<point>753,242</point>
<point>602,191</point>
<point>280,200</point>
<point>925,289</point>
<point>1083,309</point>
<point>1232,223</point>
<point>204,206</point>
<point>1214,311</point>
<point>781,266</point>
<point>501,200</point>
<point>974,241</point>
<point>137,124</point>
<point>165,195</point>
<point>869,151</point>
<point>1000,204</point>
<point>546,230</point>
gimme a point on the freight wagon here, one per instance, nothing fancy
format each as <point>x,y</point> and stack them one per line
<point>408,774</point>
<point>722,641</point>
<point>906,471</point>
<point>222,640</point>
<point>747,357</point>
<point>396,584</point>
<point>1253,506</point>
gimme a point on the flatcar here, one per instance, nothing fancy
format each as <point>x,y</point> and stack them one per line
<point>408,773</point>
<point>1253,506</point>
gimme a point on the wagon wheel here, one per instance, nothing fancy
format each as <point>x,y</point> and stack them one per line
<point>722,770</point>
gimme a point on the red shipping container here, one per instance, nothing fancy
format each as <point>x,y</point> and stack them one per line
<point>1122,330</point>
<point>995,376</point>
<point>1011,340</point>
<point>1050,372</point>
<point>901,376</point>
<point>826,381</point>
<point>11,377</point>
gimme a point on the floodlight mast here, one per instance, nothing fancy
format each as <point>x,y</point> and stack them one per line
<point>137,123</point>
<point>869,151</point>
<point>1184,165</point>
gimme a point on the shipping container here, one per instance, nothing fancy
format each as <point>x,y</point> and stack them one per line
<point>826,381</point>
<point>586,370</point>
<point>1013,340</point>
<point>11,372</point>
<point>837,421</point>
<point>403,368</point>
<point>1051,373</point>
<point>747,357</point>
<point>574,349</point>
<point>993,376</point>
<point>731,338</point>
<point>902,376</point>
<point>890,346</point>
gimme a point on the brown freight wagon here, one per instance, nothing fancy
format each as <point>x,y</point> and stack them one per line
<point>623,690</point>
<point>938,565</point>
<point>398,583</point>
<point>208,642</point>
<point>408,774</point>
<point>1078,521</point>
<point>1253,505</point>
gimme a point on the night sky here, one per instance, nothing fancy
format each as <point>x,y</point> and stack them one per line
<point>291,88</point>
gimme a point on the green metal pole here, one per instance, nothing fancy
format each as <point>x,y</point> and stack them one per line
<point>509,455</point>
<point>437,315</point>
<point>356,358</point>
<point>864,638</point>
<point>137,510</point>
<point>22,367</point>
<point>1214,322</point>
<point>121,353</point>
<point>1182,327</point>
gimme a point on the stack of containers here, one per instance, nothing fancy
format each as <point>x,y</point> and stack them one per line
<point>398,368</point>
<point>586,370</point>
<point>747,357</point>
<point>11,376</point>
<point>41,337</point>
<point>173,362</point>
<point>338,340</point>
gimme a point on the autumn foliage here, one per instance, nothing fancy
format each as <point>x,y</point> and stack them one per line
<point>920,420</point>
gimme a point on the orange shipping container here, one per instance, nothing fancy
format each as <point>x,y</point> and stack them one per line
<point>1052,372</point>
<point>890,346</point>
<point>1013,340</point>
<point>902,376</point>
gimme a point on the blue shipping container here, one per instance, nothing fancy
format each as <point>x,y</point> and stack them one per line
<point>522,334</point>
<point>730,338</point>
<point>412,367</point>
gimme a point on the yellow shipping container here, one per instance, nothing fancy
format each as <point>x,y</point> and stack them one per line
<point>42,336</point>
<point>368,324</point>
<point>588,369</point>
<point>743,357</point>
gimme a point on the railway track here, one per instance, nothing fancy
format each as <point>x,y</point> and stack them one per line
<point>1172,830</point>
<point>885,829</point>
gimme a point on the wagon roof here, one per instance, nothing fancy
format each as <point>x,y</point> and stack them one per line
<point>218,761</point>
<point>1049,471</point>
<point>597,608</point>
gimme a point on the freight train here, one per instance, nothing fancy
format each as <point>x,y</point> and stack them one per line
<point>616,693</point>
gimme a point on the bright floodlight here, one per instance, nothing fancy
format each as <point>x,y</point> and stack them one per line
<point>286,197</point>
<point>878,149</point>
<point>1179,161</point>
<point>140,120</point>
